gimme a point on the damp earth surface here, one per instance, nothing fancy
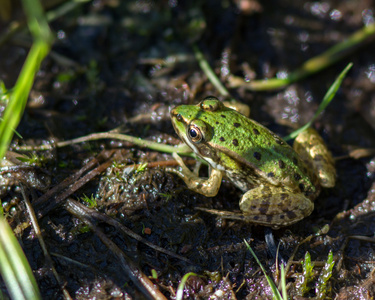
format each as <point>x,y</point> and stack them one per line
<point>124,65</point>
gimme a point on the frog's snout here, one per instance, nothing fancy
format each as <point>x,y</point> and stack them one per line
<point>175,115</point>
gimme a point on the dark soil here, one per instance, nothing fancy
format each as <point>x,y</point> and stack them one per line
<point>127,63</point>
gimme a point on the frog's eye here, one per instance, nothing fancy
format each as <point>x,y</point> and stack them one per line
<point>199,131</point>
<point>195,134</point>
<point>210,104</point>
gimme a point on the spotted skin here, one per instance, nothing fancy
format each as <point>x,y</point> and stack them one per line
<point>279,185</point>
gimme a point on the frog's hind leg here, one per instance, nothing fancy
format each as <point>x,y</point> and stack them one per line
<point>275,206</point>
<point>312,149</point>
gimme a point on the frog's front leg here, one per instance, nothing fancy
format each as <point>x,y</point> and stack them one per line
<point>275,206</point>
<point>208,187</point>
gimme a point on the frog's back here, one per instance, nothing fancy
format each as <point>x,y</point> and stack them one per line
<point>260,151</point>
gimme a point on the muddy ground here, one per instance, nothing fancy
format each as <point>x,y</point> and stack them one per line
<point>126,64</point>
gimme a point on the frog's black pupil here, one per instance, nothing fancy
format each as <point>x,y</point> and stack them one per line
<point>193,133</point>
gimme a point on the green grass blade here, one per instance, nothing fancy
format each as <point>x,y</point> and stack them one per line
<point>283,283</point>
<point>205,66</point>
<point>326,100</point>
<point>37,21</point>
<point>311,66</point>
<point>180,289</point>
<point>14,267</point>
<point>275,291</point>
<point>18,98</point>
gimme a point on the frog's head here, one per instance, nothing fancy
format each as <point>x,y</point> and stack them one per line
<point>192,124</point>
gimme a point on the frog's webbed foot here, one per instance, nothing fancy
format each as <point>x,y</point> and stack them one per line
<point>224,213</point>
<point>208,187</point>
<point>312,149</point>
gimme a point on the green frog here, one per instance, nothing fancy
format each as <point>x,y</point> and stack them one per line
<point>280,183</point>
